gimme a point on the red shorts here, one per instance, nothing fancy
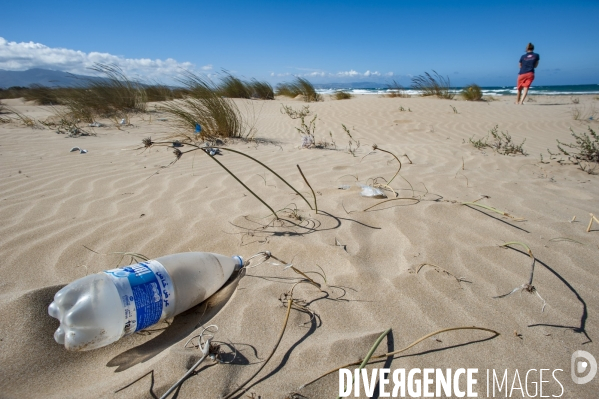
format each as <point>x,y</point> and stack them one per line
<point>525,80</point>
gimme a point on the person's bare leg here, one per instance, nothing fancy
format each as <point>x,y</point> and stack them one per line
<point>524,93</point>
<point>518,96</point>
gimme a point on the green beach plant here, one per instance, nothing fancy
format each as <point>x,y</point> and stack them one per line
<point>353,144</point>
<point>429,85</point>
<point>502,143</point>
<point>472,92</point>
<point>583,152</point>
<point>305,130</point>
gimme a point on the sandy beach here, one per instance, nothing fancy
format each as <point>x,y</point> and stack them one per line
<point>418,264</point>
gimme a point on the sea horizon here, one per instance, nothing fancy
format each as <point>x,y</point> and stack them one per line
<point>552,90</point>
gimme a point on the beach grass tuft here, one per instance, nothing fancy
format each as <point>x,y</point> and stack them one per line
<point>433,85</point>
<point>472,92</point>
<point>112,95</point>
<point>299,87</point>
<point>341,95</point>
<point>396,90</point>
<point>233,87</point>
<point>217,116</point>
<point>261,90</point>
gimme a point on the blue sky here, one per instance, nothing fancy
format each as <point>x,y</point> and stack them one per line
<point>325,41</point>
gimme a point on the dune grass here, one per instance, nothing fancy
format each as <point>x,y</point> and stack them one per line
<point>472,92</point>
<point>396,90</point>
<point>433,85</point>
<point>262,90</point>
<point>159,92</point>
<point>12,92</point>
<point>43,95</point>
<point>341,95</point>
<point>217,116</point>
<point>299,87</point>
<point>112,95</point>
<point>233,87</point>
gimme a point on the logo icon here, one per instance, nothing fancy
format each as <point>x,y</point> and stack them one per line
<point>578,367</point>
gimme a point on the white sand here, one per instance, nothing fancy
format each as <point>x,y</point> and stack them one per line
<point>54,202</point>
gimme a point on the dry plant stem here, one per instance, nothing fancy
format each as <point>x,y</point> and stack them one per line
<point>526,286</point>
<point>371,351</point>
<point>240,182</point>
<point>273,349</point>
<point>515,218</point>
<point>591,222</point>
<point>205,351</point>
<point>392,199</point>
<point>270,170</point>
<point>376,147</point>
<point>459,280</point>
<point>311,189</point>
<point>196,147</point>
<point>532,271</point>
<point>404,349</point>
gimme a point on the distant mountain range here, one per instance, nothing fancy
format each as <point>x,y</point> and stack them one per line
<point>45,77</point>
<point>50,78</point>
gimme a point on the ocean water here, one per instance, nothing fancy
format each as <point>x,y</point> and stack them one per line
<point>565,90</point>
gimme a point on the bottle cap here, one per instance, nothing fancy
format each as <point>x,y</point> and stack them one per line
<point>238,262</point>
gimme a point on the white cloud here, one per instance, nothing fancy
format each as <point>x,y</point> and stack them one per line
<point>375,73</point>
<point>350,73</point>
<point>341,74</point>
<point>21,56</point>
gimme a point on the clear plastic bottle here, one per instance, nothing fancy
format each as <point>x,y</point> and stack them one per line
<point>99,309</point>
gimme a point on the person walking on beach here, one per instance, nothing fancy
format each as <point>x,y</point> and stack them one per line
<point>528,63</point>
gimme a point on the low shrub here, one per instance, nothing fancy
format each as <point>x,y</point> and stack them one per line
<point>501,143</point>
<point>583,151</point>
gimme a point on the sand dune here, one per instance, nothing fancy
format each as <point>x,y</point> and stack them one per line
<point>54,203</point>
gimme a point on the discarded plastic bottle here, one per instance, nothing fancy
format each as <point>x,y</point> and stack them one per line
<point>99,309</point>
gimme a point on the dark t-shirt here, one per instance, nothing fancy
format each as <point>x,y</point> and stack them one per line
<point>528,62</point>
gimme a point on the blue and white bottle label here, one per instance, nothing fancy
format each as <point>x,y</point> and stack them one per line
<point>146,292</point>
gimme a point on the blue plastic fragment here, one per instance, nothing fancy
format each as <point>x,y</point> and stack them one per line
<point>198,128</point>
